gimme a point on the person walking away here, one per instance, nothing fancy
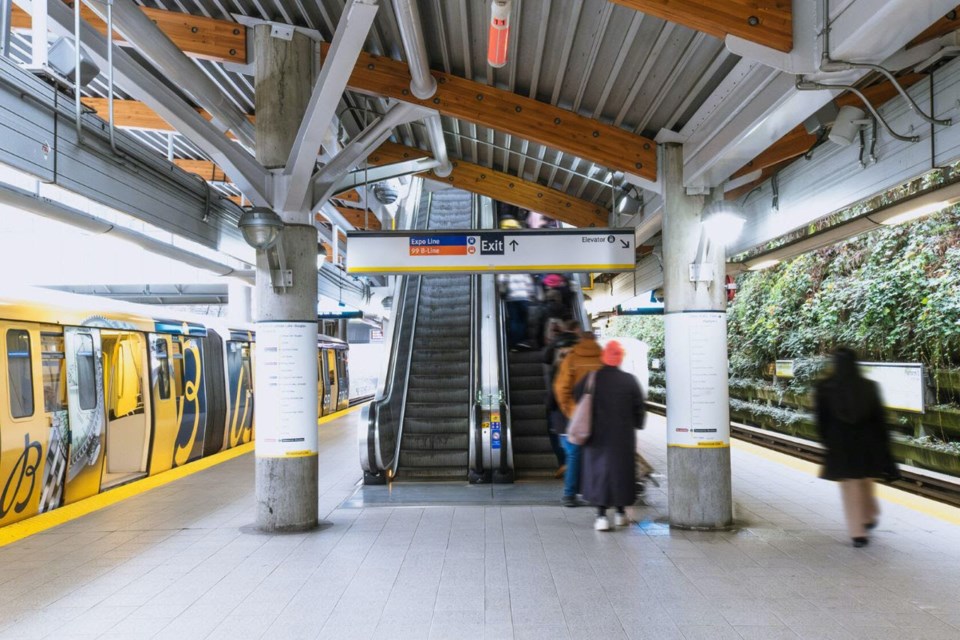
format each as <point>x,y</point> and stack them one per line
<point>582,359</point>
<point>608,457</point>
<point>518,290</point>
<point>553,356</point>
<point>852,425</point>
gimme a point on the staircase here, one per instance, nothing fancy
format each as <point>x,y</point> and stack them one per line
<point>436,424</point>
<point>532,454</point>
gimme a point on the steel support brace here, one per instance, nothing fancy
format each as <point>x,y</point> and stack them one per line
<point>249,176</point>
<point>327,91</point>
<point>362,177</point>
<point>325,180</point>
<point>147,37</point>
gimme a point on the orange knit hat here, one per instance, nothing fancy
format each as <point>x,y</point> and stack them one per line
<point>612,354</point>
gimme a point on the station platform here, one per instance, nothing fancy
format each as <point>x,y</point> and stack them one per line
<point>181,562</point>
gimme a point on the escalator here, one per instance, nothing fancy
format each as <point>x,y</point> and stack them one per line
<point>419,426</point>
<point>532,453</point>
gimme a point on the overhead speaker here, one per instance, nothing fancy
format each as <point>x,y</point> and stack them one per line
<point>62,59</point>
<point>385,193</point>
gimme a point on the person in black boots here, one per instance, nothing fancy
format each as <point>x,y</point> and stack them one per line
<point>853,428</point>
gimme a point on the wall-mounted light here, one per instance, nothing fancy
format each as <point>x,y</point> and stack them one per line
<point>765,264</point>
<point>913,214</point>
<point>499,36</point>
<point>261,228</point>
<point>721,223</point>
<point>847,126</point>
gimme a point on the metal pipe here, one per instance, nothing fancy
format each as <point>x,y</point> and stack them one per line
<point>422,84</point>
<point>438,145</point>
<point>6,9</point>
<point>817,86</point>
<point>113,140</point>
<point>26,201</point>
<point>142,33</point>
<point>78,107</point>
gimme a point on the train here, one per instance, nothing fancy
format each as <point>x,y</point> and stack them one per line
<point>96,393</point>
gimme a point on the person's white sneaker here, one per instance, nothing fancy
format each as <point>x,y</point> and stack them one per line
<point>621,520</point>
<point>601,524</point>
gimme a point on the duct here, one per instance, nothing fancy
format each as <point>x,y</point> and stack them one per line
<point>142,33</point>
<point>26,201</point>
<point>422,84</point>
<point>325,180</point>
<point>438,145</point>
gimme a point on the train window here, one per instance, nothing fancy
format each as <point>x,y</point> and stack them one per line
<point>86,372</point>
<point>54,378</point>
<point>177,366</point>
<point>245,359</point>
<point>20,373</point>
<point>163,368</point>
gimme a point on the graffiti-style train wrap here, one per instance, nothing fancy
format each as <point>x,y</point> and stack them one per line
<point>96,393</point>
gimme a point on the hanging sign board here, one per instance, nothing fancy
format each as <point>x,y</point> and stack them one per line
<point>698,411</point>
<point>530,251</point>
<point>901,385</point>
<point>286,389</point>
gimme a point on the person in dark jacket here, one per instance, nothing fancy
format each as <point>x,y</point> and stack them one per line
<point>608,476</point>
<point>853,428</point>
<point>553,355</point>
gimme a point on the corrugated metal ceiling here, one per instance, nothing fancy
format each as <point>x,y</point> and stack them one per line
<point>599,59</point>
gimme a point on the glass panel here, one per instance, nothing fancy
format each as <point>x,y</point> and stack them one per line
<point>177,367</point>
<point>163,371</point>
<point>54,378</point>
<point>21,375</point>
<point>86,372</point>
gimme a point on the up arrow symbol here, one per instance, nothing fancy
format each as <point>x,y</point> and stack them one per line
<point>513,245</point>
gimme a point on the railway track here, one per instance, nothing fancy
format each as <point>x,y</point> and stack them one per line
<point>929,484</point>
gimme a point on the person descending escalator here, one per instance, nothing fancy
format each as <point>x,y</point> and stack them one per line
<point>518,290</point>
<point>582,359</point>
<point>553,356</point>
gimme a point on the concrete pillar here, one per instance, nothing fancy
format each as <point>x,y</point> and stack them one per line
<point>284,81</point>
<point>286,361</point>
<point>698,413</point>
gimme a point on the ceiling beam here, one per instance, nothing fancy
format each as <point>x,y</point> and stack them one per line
<point>947,24</point>
<point>360,218</point>
<point>526,118</point>
<point>503,187</point>
<point>765,22</point>
<point>197,36</point>
<point>203,168</point>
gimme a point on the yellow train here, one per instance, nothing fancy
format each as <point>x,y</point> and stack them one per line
<point>95,394</point>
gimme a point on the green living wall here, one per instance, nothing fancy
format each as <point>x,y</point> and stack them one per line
<point>892,294</point>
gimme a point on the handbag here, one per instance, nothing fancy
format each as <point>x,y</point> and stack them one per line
<point>580,427</point>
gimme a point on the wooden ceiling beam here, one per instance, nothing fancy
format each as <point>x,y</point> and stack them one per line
<point>766,22</point>
<point>503,187</point>
<point>526,118</point>
<point>203,168</point>
<point>947,24</point>
<point>360,218</point>
<point>197,36</point>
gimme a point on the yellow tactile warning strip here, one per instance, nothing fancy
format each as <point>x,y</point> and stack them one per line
<point>917,503</point>
<point>25,528</point>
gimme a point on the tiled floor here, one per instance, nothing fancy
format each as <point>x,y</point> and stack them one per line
<point>179,562</point>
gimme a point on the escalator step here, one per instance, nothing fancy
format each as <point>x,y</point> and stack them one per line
<point>430,353</point>
<point>459,397</point>
<point>429,380</point>
<point>436,410</point>
<point>535,461</point>
<point>532,397</point>
<point>526,383</point>
<point>428,459</point>
<point>534,444</point>
<point>417,426</point>
<point>436,442</point>
<point>433,473</point>
<point>522,357</point>
<point>527,412</point>
<point>446,369</point>
<point>529,428</point>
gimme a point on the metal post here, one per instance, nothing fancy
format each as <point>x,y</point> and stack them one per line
<point>698,413</point>
<point>6,8</point>
<point>76,70</point>
<point>113,141</point>
<point>38,34</point>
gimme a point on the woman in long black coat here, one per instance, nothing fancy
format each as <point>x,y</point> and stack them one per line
<point>608,478</point>
<point>853,428</point>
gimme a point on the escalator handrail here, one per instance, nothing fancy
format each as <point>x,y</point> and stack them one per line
<point>475,433</point>
<point>395,461</point>
<point>506,429</point>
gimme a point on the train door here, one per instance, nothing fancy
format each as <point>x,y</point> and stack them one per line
<point>190,392</point>
<point>85,396</point>
<point>128,426</point>
<point>215,380</point>
<point>240,390</point>
<point>165,421</point>
<point>323,385</point>
<point>54,365</point>
<point>343,381</point>
<point>330,358</point>
<point>25,425</point>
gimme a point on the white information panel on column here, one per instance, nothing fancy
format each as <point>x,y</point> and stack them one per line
<point>286,389</point>
<point>698,410</point>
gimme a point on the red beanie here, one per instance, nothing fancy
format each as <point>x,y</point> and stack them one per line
<point>612,354</point>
